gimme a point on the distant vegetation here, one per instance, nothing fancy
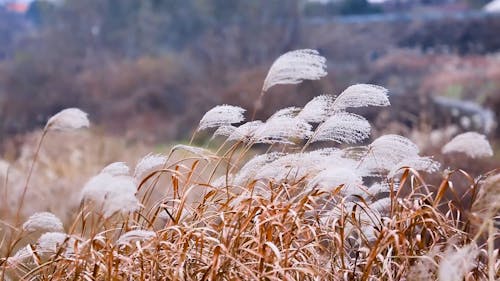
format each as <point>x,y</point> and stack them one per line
<point>147,61</point>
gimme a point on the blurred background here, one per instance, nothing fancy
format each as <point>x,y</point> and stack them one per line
<point>147,70</point>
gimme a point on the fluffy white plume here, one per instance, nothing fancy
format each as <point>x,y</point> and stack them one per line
<point>379,187</point>
<point>387,151</point>
<point>455,264</point>
<point>300,165</point>
<point>68,119</point>
<point>116,169</point>
<point>317,110</point>
<point>225,130</point>
<point>294,67</point>
<point>43,221</point>
<point>198,151</point>
<point>147,163</point>
<point>135,235</point>
<point>111,193</point>
<point>21,256</point>
<point>51,242</point>
<point>382,205</point>
<point>245,132</point>
<point>361,95</point>
<point>251,167</point>
<point>291,166</point>
<point>221,115</point>
<point>425,164</point>
<point>282,129</point>
<point>343,127</point>
<point>472,144</point>
<point>289,112</point>
<point>329,179</point>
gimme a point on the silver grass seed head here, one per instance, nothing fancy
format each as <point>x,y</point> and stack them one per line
<point>43,221</point>
<point>472,144</point>
<point>294,67</point>
<point>318,109</point>
<point>456,263</point>
<point>135,235</point>
<point>343,127</point>
<point>68,119</point>
<point>148,163</point>
<point>221,115</point>
<point>424,164</point>
<point>361,95</point>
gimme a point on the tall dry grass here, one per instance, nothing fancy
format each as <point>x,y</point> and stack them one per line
<point>319,204</point>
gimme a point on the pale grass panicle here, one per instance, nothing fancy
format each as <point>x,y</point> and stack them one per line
<point>112,193</point>
<point>472,144</point>
<point>456,263</point>
<point>148,163</point>
<point>53,242</point>
<point>43,221</point>
<point>221,115</point>
<point>343,127</point>
<point>68,119</point>
<point>198,151</point>
<point>288,112</point>
<point>245,132</point>
<point>250,169</point>
<point>361,95</point>
<point>487,203</point>
<point>387,151</point>
<point>116,169</point>
<point>318,109</point>
<point>335,177</point>
<point>135,235</point>
<point>294,67</point>
<point>21,256</point>
<point>424,164</point>
<point>283,130</point>
<point>290,167</point>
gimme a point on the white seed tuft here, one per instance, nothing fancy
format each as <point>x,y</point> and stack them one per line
<point>282,130</point>
<point>343,127</point>
<point>116,169</point>
<point>289,112</point>
<point>455,264</point>
<point>68,119</point>
<point>472,144</point>
<point>251,167</point>
<point>43,221</point>
<point>135,235</point>
<point>52,242</point>
<point>198,151</point>
<point>387,151</point>
<point>361,95</point>
<point>245,132</point>
<point>221,115</point>
<point>317,110</point>
<point>425,164</point>
<point>294,67</point>
<point>331,178</point>
<point>112,193</point>
<point>147,163</point>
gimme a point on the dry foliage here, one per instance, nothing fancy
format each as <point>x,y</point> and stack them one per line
<point>295,212</point>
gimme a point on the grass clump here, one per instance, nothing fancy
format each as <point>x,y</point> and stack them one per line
<point>318,204</point>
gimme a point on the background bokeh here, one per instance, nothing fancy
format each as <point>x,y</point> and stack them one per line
<point>148,70</point>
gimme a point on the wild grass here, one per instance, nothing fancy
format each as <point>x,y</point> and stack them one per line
<point>299,196</point>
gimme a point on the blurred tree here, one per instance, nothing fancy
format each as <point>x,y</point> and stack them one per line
<point>478,3</point>
<point>358,7</point>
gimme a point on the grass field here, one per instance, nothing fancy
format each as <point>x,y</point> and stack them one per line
<point>303,195</point>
